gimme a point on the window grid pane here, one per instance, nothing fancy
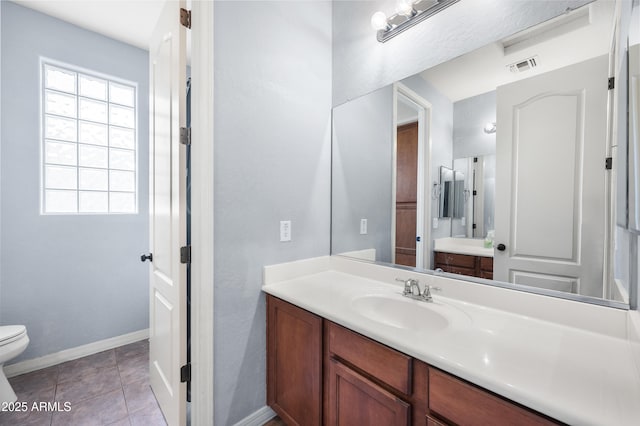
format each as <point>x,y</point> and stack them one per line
<point>89,143</point>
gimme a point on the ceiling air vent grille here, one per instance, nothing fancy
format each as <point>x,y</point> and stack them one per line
<point>524,65</point>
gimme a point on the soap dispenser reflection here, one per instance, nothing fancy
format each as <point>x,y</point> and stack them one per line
<point>488,240</point>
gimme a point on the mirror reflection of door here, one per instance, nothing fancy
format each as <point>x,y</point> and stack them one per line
<point>411,166</point>
<point>406,193</point>
<point>551,183</point>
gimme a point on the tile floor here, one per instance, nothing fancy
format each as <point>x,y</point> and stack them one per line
<point>108,388</point>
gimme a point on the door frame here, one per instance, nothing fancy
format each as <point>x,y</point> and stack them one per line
<point>423,259</point>
<point>202,212</point>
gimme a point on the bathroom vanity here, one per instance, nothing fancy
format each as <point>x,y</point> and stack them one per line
<point>464,264</point>
<point>318,369</point>
<point>344,346</point>
<point>463,256</point>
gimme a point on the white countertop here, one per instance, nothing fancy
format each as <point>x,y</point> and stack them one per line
<point>468,246</point>
<point>572,374</point>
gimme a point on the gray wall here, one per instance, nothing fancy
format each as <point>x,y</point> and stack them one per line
<point>362,175</point>
<point>469,118</point>
<point>71,279</point>
<point>361,64</point>
<point>272,122</point>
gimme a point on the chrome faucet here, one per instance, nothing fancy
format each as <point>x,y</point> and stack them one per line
<point>409,286</point>
<point>412,290</point>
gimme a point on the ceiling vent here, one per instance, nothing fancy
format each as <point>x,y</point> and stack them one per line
<point>524,65</point>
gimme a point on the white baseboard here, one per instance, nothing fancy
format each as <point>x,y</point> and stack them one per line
<point>29,365</point>
<point>258,418</point>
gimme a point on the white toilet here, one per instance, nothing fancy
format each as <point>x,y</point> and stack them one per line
<point>13,341</point>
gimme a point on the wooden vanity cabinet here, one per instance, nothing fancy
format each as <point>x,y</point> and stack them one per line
<point>434,422</point>
<point>370,383</point>
<point>486,267</point>
<point>464,264</point>
<point>320,373</point>
<point>294,363</point>
<point>356,400</point>
<point>460,403</point>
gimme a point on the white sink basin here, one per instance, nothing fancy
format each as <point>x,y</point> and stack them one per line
<point>405,313</point>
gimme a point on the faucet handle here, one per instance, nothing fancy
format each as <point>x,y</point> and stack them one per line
<point>426,294</point>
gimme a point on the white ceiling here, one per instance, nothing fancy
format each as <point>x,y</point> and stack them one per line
<point>130,21</point>
<point>570,38</point>
<point>567,39</point>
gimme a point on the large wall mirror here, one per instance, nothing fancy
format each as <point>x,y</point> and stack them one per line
<point>493,165</point>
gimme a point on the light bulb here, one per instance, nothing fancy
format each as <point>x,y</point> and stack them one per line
<point>490,127</point>
<point>405,7</point>
<point>379,21</point>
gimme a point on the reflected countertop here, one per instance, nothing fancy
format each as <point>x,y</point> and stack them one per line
<point>468,246</point>
<point>586,374</point>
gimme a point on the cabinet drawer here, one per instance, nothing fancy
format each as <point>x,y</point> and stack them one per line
<point>486,264</point>
<point>452,259</point>
<point>464,404</point>
<point>387,365</point>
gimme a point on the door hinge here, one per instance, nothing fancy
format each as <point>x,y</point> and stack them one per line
<point>608,163</point>
<point>612,83</point>
<point>473,226</point>
<point>185,135</point>
<point>185,18</point>
<point>185,254</point>
<point>185,373</point>
<point>475,192</point>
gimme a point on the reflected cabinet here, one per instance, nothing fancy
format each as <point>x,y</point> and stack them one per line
<point>464,264</point>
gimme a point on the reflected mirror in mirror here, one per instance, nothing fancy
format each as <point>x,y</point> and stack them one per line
<point>460,194</point>
<point>447,191</point>
<point>495,174</point>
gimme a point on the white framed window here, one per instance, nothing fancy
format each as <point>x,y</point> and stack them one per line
<point>89,142</point>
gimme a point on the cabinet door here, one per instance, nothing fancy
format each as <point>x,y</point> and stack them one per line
<point>294,363</point>
<point>354,400</point>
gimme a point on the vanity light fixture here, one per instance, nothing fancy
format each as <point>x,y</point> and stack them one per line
<point>490,127</point>
<point>408,13</point>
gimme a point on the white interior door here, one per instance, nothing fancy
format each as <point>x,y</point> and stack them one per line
<point>167,299</point>
<point>550,179</point>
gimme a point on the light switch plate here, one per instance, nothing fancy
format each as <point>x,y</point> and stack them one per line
<point>285,230</point>
<point>363,226</point>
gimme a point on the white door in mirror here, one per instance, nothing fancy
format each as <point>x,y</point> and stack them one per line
<point>554,229</point>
